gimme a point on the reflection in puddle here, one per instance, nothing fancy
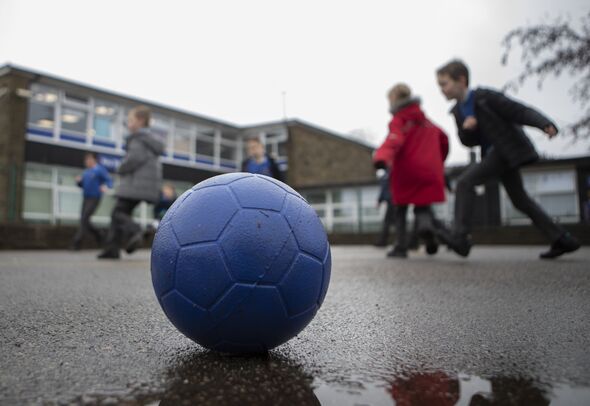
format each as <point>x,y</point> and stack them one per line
<point>441,389</point>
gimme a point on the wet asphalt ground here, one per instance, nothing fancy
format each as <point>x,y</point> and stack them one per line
<point>500,328</point>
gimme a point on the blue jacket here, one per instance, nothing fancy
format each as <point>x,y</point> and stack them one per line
<point>93,179</point>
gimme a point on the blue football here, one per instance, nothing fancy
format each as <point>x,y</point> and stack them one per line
<point>240,263</point>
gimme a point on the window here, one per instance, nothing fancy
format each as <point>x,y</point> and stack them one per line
<point>38,202</point>
<point>182,139</point>
<point>555,191</point>
<point>160,126</point>
<point>228,151</point>
<point>105,120</point>
<point>42,107</point>
<point>74,119</point>
<point>205,144</point>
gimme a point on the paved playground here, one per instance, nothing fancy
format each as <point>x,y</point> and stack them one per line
<point>499,327</point>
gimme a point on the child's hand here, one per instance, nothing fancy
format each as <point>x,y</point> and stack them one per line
<point>470,123</point>
<point>550,130</point>
<point>78,179</point>
<point>103,188</point>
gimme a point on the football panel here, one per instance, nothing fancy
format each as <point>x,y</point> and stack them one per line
<point>253,243</point>
<point>224,179</point>
<point>302,285</point>
<point>327,273</point>
<point>282,185</point>
<point>258,317</point>
<point>307,227</point>
<point>177,203</point>
<point>201,274</point>
<point>203,215</point>
<point>163,259</point>
<point>188,318</point>
<point>256,193</point>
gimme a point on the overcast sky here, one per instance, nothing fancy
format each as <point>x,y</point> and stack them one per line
<point>335,60</point>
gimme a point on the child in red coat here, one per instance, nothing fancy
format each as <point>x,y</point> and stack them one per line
<point>415,149</point>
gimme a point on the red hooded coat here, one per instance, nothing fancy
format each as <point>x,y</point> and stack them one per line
<point>415,149</point>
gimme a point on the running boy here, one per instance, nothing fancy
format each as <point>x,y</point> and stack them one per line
<point>492,121</point>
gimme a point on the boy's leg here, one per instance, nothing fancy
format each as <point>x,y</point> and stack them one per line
<point>388,221</point>
<point>90,210</point>
<point>82,229</point>
<point>561,241</point>
<point>426,228</point>
<point>401,246</point>
<point>490,166</point>
<point>120,220</point>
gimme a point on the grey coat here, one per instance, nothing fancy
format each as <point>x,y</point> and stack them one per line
<point>141,170</point>
<point>501,119</point>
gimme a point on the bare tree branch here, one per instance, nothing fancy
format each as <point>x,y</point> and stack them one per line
<point>548,50</point>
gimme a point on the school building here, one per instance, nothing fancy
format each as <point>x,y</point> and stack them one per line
<point>47,123</point>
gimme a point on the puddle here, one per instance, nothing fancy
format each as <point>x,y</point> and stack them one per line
<point>441,389</point>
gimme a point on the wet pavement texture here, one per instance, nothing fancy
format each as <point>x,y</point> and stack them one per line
<point>500,328</point>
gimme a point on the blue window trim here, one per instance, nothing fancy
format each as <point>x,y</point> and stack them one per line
<point>181,157</point>
<point>43,133</point>
<point>231,166</point>
<point>103,143</point>
<point>204,161</point>
<point>72,137</point>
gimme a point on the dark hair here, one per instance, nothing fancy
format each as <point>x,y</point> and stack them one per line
<point>455,69</point>
<point>143,113</point>
<point>92,154</point>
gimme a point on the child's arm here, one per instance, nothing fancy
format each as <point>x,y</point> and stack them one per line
<point>467,137</point>
<point>516,112</point>
<point>136,156</point>
<point>106,178</point>
<point>394,141</point>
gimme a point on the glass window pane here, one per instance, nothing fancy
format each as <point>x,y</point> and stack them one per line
<point>160,126</point>
<point>105,119</point>
<point>43,94</point>
<point>315,197</point>
<point>38,173</point>
<point>205,146</point>
<point>182,139</point>
<point>228,152</point>
<point>41,115</point>
<point>107,203</point>
<point>37,200</point>
<point>73,119</point>
<point>69,202</point>
<point>74,98</point>
<point>283,149</point>
<point>563,204</point>
<point>67,176</point>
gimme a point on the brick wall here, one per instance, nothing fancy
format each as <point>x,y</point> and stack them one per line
<point>13,115</point>
<point>317,159</point>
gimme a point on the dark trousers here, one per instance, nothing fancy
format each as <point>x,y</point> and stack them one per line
<point>388,222</point>
<point>424,223</point>
<point>494,166</point>
<point>122,224</point>
<point>89,206</point>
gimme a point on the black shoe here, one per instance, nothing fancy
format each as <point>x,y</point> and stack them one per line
<point>566,243</point>
<point>460,243</point>
<point>431,244</point>
<point>109,254</point>
<point>398,252</point>
<point>414,243</point>
<point>134,242</point>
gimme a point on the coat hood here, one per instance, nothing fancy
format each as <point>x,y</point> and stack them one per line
<point>153,142</point>
<point>409,110</point>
